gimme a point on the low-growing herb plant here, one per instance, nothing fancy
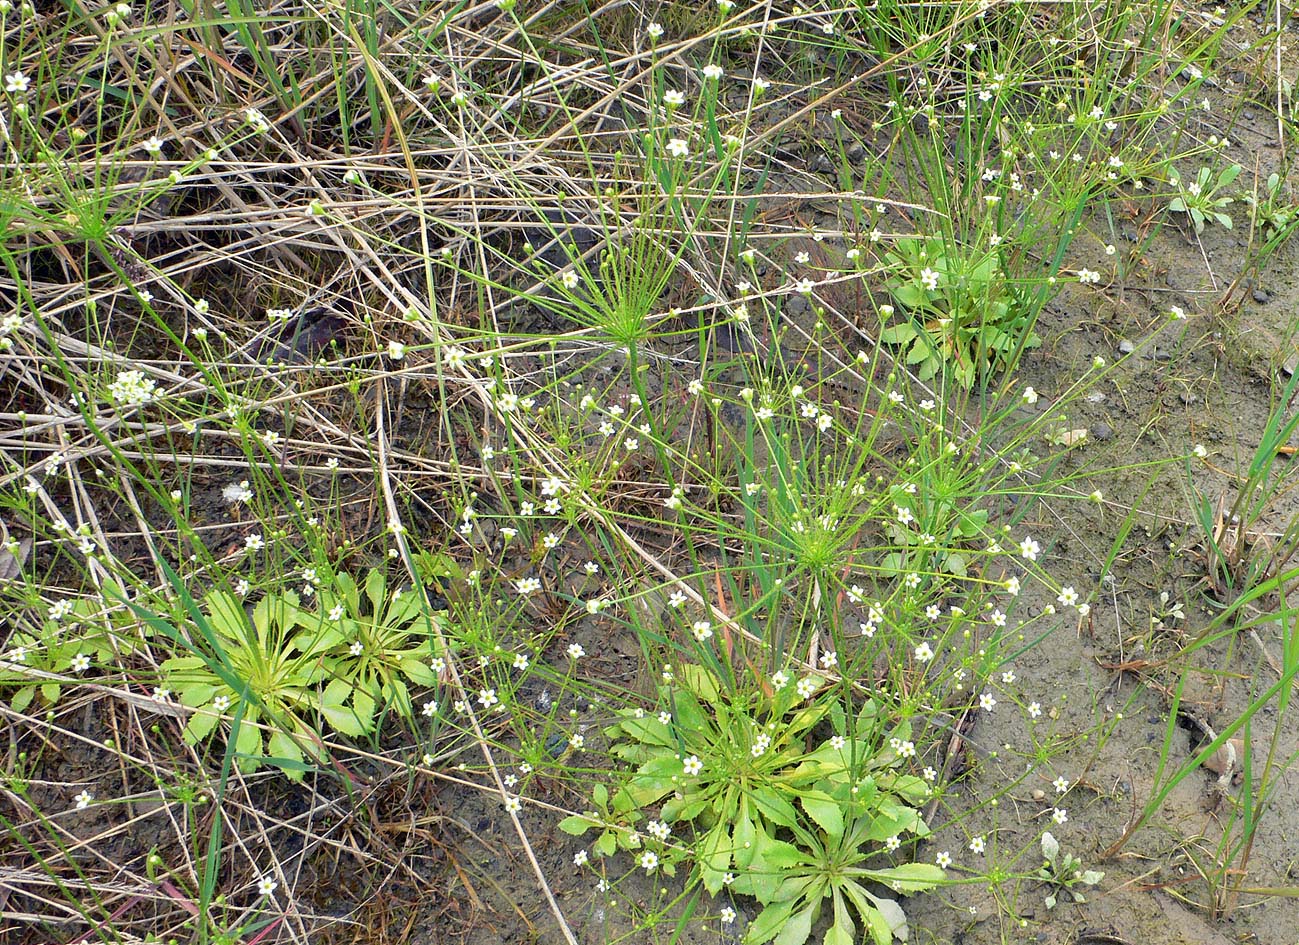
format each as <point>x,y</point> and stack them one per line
<point>384,641</point>
<point>961,311</point>
<point>773,817</point>
<point>355,654</point>
<point>75,636</point>
<point>1275,209</point>
<point>1063,872</point>
<point>1203,198</point>
<point>263,659</point>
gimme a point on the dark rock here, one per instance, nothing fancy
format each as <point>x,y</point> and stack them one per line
<point>1102,431</point>
<point>1260,296</point>
<point>298,340</point>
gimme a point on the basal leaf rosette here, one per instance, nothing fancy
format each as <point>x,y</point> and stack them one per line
<point>771,817</point>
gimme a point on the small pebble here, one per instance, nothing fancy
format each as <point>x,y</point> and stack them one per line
<point>1260,296</point>
<point>1126,347</point>
<point>1102,431</point>
<point>1096,397</point>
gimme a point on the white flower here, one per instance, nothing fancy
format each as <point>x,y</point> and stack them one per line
<point>575,651</point>
<point>987,702</point>
<point>654,30</point>
<point>569,279</point>
<point>1068,596</point>
<point>266,886</point>
<point>924,653</point>
<point>727,915</point>
<point>713,71</point>
<point>649,859</point>
<point>1029,549</point>
<point>131,388</point>
<point>1059,815</point>
<point>1030,395</point>
<point>692,765</point>
<point>513,805</point>
<point>235,492</point>
<point>672,98</point>
<point>677,147</point>
<point>396,350</point>
<point>17,82</point>
<point>257,120</point>
<point>580,858</point>
<point>1178,313</point>
<point>702,630</point>
<point>83,799</point>
<point>1199,451</point>
<point>929,279</point>
<point>943,859</point>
